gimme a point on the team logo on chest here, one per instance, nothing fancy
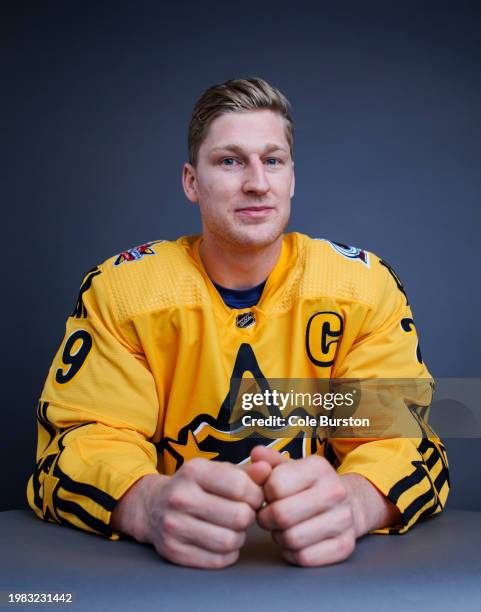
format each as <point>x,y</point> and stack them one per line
<point>223,437</point>
<point>247,319</point>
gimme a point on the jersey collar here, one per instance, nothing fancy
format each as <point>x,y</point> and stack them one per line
<point>280,282</point>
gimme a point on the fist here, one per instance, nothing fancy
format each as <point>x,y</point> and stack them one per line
<point>308,509</point>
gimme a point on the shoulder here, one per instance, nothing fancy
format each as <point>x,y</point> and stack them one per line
<point>148,277</point>
<point>346,272</point>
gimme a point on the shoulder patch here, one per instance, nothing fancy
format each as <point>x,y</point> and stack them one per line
<point>136,253</point>
<point>350,252</point>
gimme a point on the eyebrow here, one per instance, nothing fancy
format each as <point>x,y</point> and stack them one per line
<point>237,148</point>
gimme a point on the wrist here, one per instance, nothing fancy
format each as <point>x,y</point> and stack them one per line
<point>371,509</point>
<point>131,515</point>
<point>352,485</point>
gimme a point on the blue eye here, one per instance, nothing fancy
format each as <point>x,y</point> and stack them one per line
<point>272,161</point>
<point>228,161</point>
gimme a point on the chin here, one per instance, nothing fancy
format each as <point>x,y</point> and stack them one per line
<point>256,237</point>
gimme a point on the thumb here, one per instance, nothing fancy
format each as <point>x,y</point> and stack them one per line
<point>269,455</point>
<point>259,471</point>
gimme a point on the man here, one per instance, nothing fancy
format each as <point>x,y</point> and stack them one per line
<point>135,420</point>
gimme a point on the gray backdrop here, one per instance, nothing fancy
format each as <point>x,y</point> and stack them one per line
<point>386,100</point>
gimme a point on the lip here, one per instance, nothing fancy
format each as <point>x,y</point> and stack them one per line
<point>254,212</point>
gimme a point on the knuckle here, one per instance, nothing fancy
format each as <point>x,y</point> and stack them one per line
<point>178,500</point>
<point>241,538</point>
<point>169,549</point>
<point>303,557</point>
<point>169,523</point>
<point>275,485</point>
<point>218,561</point>
<point>344,518</point>
<point>290,539</point>
<point>338,493</point>
<point>321,464</point>
<point>243,516</point>
<point>191,468</point>
<point>317,460</point>
<point>230,541</point>
<point>346,545</point>
<point>240,485</point>
<point>279,516</point>
<point>262,518</point>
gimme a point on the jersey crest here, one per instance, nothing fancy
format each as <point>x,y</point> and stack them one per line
<point>222,437</point>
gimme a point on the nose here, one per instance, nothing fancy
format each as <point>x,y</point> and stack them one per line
<point>255,178</point>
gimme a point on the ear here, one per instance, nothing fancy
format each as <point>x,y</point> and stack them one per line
<point>293,183</point>
<point>189,182</point>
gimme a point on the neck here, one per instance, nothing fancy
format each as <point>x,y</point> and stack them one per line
<point>238,268</point>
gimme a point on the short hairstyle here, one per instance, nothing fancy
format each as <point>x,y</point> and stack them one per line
<point>234,96</point>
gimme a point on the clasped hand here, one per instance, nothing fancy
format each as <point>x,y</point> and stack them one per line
<point>199,516</point>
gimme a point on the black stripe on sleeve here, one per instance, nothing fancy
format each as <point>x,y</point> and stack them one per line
<point>42,418</point>
<point>407,482</point>
<point>444,457</point>
<point>66,431</point>
<point>438,452</point>
<point>441,478</point>
<point>425,445</point>
<point>43,466</point>
<point>80,488</point>
<point>434,457</point>
<point>417,504</point>
<point>84,516</point>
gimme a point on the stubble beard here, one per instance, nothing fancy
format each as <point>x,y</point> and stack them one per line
<point>248,235</point>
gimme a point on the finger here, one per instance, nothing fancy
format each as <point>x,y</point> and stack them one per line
<point>321,527</point>
<point>311,502</point>
<point>294,476</point>
<point>224,479</point>
<point>332,550</point>
<point>201,534</point>
<point>272,456</point>
<point>217,510</point>
<point>317,499</point>
<point>258,471</point>
<point>193,556</point>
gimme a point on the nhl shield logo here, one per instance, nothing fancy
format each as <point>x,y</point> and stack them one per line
<point>247,319</point>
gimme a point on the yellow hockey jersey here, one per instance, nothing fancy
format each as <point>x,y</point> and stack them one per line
<point>151,354</point>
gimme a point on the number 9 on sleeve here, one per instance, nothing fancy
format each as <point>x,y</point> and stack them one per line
<point>75,352</point>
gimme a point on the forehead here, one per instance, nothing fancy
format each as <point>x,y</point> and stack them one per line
<point>247,129</point>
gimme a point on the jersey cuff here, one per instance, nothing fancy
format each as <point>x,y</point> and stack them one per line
<point>407,484</point>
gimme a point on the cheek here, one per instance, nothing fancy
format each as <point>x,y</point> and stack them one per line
<point>217,191</point>
<point>282,185</point>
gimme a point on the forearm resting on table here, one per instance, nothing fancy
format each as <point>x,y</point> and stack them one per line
<point>371,509</point>
<point>131,514</point>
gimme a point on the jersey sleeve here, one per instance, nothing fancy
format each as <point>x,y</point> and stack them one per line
<point>411,472</point>
<point>96,414</point>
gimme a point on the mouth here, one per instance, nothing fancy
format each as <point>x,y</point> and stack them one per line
<point>254,212</point>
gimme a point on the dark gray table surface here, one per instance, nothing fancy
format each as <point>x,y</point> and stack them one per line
<point>436,566</point>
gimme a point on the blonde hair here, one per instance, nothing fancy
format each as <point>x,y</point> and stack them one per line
<point>234,96</point>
